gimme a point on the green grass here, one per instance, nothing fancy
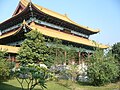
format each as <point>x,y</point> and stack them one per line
<point>76,86</point>
<point>60,85</point>
<point>14,85</point>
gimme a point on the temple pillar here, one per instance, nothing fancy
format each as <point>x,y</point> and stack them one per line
<point>83,59</point>
<point>79,56</point>
<point>88,56</point>
<point>65,57</point>
<point>9,57</point>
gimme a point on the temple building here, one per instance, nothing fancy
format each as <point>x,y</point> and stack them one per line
<point>29,16</point>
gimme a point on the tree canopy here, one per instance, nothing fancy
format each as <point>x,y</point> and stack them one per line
<point>116,50</point>
<point>33,49</point>
<point>33,55</point>
<point>102,69</point>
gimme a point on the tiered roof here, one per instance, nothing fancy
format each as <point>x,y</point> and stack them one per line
<point>59,16</point>
<point>56,34</point>
<point>48,31</point>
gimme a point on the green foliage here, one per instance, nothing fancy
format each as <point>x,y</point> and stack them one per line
<point>116,51</point>
<point>33,49</point>
<point>57,51</point>
<point>4,67</point>
<point>62,53</point>
<point>33,74</point>
<point>71,54</point>
<point>102,69</point>
<point>33,53</point>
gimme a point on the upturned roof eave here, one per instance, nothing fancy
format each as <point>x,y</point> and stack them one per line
<point>16,31</point>
<point>46,32</point>
<point>7,20</point>
<point>64,18</point>
<point>60,35</point>
<point>54,14</point>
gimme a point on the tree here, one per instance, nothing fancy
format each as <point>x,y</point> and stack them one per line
<point>102,69</point>
<point>57,51</point>
<point>4,66</point>
<point>33,74</point>
<point>71,54</point>
<point>33,49</point>
<point>116,51</point>
<point>33,55</point>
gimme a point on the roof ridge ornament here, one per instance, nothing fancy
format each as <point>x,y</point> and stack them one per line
<point>66,15</point>
<point>30,6</point>
<point>29,0</point>
<point>24,22</point>
<point>24,27</point>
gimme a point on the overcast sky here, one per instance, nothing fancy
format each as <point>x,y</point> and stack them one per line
<point>101,14</point>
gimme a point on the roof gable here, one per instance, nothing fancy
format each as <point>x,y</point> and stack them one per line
<point>59,16</point>
<point>21,6</point>
<point>24,4</point>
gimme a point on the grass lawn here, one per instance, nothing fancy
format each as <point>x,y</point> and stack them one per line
<point>61,85</point>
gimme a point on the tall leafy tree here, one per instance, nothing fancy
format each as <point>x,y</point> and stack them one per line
<point>71,54</point>
<point>33,55</point>
<point>33,49</point>
<point>116,51</point>
<point>102,68</point>
<point>57,51</point>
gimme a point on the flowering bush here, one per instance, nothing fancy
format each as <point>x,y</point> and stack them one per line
<point>33,74</point>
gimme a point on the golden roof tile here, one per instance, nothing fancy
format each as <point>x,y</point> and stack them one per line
<point>15,31</point>
<point>59,16</point>
<point>24,2</point>
<point>8,34</point>
<point>64,36</point>
<point>9,49</point>
<point>57,34</point>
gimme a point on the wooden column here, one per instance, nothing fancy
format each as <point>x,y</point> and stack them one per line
<point>79,56</point>
<point>65,57</point>
<point>82,58</point>
<point>88,56</point>
<point>9,58</point>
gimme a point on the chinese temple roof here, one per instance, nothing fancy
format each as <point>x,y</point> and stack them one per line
<point>9,34</point>
<point>9,49</point>
<point>48,31</point>
<point>57,15</point>
<point>64,36</point>
<point>56,34</point>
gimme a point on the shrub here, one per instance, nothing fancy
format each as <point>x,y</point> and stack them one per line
<point>102,69</point>
<point>4,67</point>
<point>116,52</point>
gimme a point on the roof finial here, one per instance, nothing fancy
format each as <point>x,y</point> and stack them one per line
<point>24,22</point>
<point>66,14</point>
<point>29,1</point>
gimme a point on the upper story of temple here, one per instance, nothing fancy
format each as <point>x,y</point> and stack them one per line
<point>29,16</point>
